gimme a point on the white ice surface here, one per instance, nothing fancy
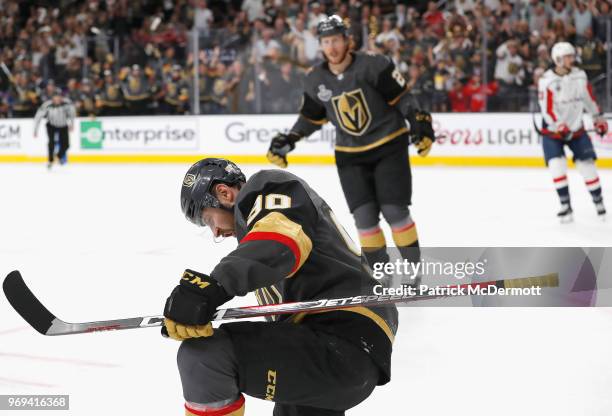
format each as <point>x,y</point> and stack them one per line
<point>103,242</point>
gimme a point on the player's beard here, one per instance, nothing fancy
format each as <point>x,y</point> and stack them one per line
<point>340,60</point>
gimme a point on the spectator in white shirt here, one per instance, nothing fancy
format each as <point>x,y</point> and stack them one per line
<point>538,19</point>
<point>316,14</point>
<point>509,67</point>
<point>304,42</point>
<point>560,11</point>
<point>264,46</point>
<point>203,17</point>
<point>464,6</point>
<point>509,73</point>
<point>583,18</point>
<point>388,33</point>
<point>253,8</point>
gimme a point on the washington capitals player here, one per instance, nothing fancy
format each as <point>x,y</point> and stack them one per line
<point>565,94</point>
<point>365,97</point>
<point>290,248</point>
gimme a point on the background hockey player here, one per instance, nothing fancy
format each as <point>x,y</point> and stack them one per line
<point>290,249</point>
<point>565,94</point>
<point>364,96</point>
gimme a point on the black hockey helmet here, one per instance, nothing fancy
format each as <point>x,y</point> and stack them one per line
<point>196,192</point>
<point>331,25</point>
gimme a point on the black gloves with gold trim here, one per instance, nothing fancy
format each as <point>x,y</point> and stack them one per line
<point>279,147</point>
<point>421,131</point>
<point>192,305</point>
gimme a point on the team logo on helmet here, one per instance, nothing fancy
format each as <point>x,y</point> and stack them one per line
<point>331,25</point>
<point>232,168</point>
<point>352,112</point>
<point>189,180</point>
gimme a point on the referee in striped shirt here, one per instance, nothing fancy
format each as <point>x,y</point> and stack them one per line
<point>60,114</point>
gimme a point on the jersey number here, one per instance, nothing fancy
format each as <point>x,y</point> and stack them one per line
<point>398,77</point>
<point>280,201</point>
<point>272,201</point>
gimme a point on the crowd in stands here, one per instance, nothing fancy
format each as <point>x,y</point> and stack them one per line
<point>115,57</point>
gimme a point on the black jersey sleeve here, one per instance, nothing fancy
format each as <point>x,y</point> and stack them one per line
<point>390,83</point>
<point>312,117</point>
<point>280,218</point>
<point>312,110</point>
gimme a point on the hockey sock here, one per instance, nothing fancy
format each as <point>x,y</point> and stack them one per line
<point>235,408</point>
<point>373,245</point>
<point>558,169</point>
<point>589,172</point>
<point>406,239</point>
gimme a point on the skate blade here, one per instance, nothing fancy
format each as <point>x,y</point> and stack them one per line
<point>567,219</point>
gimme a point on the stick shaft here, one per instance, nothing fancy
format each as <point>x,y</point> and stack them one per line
<point>45,322</point>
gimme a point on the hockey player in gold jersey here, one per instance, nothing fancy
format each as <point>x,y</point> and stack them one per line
<point>365,97</point>
<point>291,248</point>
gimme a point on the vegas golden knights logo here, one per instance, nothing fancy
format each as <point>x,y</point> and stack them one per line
<point>352,112</point>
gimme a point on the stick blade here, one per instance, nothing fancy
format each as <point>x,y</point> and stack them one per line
<point>25,303</point>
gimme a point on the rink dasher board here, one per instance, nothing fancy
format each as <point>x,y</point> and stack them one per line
<point>467,139</point>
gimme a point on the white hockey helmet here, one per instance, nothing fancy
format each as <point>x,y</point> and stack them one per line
<point>561,49</point>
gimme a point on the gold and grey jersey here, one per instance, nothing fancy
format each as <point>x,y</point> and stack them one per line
<point>361,102</point>
<point>135,88</point>
<point>291,249</point>
<point>111,95</point>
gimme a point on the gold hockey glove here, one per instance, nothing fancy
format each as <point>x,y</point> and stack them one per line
<point>424,146</point>
<point>181,332</point>
<point>421,131</point>
<point>192,305</point>
<point>279,147</point>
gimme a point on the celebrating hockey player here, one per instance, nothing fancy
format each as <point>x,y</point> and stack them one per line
<point>564,94</point>
<point>364,96</point>
<point>291,248</point>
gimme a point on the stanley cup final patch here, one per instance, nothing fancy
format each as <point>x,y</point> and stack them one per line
<point>324,94</point>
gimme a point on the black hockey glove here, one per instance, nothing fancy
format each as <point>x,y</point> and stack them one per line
<point>192,305</point>
<point>421,131</point>
<point>279,147</point>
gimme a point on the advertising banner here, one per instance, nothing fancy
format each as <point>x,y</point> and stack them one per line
<point>14,135</point>
<point>136,134</point>
<point>465,139</point>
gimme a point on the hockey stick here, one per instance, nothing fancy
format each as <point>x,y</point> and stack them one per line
<point>45,322</point>
<point>565,139</point>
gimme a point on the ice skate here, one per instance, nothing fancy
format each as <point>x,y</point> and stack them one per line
<point>565,215</point>
<point>601,210</point>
